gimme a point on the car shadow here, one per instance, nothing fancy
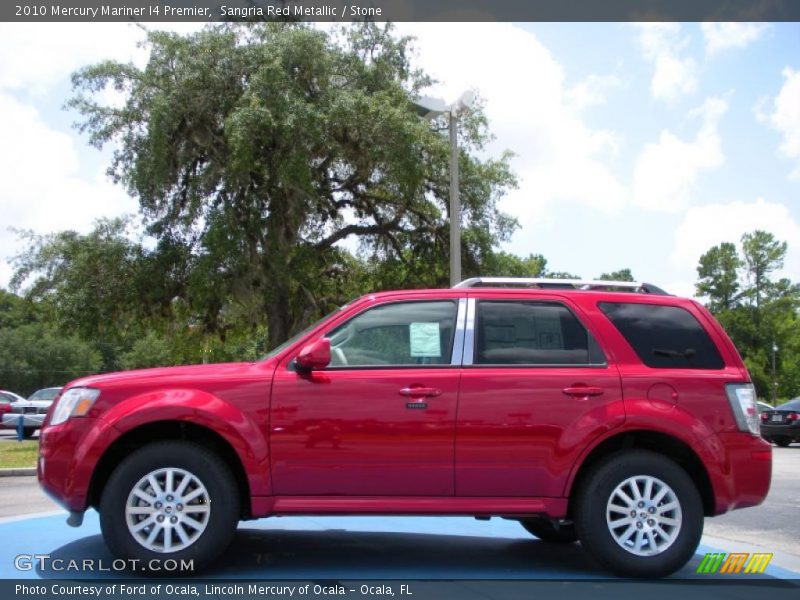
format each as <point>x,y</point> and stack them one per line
<point>340,554</point>
<point>337,554</point>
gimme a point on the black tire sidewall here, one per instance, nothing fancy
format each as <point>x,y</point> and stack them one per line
<point>592,528</point>
<point>206,466</point>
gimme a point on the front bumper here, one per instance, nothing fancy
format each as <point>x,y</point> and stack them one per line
<point>68,455</point>
<point>11,420</point>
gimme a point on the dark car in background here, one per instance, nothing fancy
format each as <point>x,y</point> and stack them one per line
<point>781,425</point>
<point>33,411</point>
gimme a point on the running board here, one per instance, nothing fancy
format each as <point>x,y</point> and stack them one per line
<point>413,505</point>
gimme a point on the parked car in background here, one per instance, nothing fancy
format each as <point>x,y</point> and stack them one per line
<point>7,399</point>
<point>33,410</point>
<point>781,425</point>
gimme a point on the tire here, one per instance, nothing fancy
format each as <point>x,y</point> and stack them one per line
<point>207,518</point>
<point>27,432</point>
<point>782,442</point>
<point>550,531</point>
<point>621,549</point>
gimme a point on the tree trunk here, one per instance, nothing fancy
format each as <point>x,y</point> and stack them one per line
<point>278,317</point>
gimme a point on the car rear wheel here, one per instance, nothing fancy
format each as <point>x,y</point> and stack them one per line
<point>639,514</point>
<point>170,500</point>
<point>28,432</point>
<point>551,531</point>
<point>782,442</point>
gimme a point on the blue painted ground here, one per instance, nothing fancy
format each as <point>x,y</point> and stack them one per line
<point>357,548</point>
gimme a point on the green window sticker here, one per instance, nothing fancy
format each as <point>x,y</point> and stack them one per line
<point>425,340</point>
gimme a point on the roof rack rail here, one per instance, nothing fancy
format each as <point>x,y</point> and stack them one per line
<point>574,284</point>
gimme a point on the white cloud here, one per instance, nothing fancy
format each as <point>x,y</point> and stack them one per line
<point>674,74</point>
<point>706,226</point>
<point>37,56</point>
<point>42,187</point>
<point>785,116</point>
<point>559,159</point>
<point>592,91</point>
<point>723,36</point>
<point>45,183</point>
<point>666,171</point>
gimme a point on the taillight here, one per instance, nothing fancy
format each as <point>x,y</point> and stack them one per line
<point>792,417</point>
<point>764,416</point>
<point>742,398</point>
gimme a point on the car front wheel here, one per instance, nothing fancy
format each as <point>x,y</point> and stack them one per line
<point>170,500</point>
<point>639,514</point>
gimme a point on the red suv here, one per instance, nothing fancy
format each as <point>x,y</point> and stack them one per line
<point>605,412</point>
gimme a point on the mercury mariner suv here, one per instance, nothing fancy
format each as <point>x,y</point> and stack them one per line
<point>606,412</point>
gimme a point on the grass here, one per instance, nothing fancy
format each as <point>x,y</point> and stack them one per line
<point>18,454</point>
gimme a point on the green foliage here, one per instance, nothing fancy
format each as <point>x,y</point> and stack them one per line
<point>255,149</point>
<point>756,310</point>
<point>719,279</point>
<point>34,356</point>
<point>621,275</point>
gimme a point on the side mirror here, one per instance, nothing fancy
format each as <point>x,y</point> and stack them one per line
<point>316,355</point>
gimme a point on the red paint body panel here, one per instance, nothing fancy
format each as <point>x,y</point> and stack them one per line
<point>350,432</point>
<point>494,440</point>
<point>518,434</point>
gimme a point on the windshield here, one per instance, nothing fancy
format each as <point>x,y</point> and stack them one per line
<point>790,405</point>
<point>46,394</point>
<point>294,338</point>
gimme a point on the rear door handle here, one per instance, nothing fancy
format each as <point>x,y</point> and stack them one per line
<point>582,391</point>
<point>420,392</point>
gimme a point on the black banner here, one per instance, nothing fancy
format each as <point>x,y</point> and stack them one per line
<point>221,589</point>
<point>401,10</point>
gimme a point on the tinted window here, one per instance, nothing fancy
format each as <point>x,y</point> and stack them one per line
<point>664,337</point>
<point>532,333</point>
<point>790,405</point>
<point>408,333</point>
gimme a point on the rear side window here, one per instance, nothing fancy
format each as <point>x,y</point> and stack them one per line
<point>664,337</point>
<point>532,333</point>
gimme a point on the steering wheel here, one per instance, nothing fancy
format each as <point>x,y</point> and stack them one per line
<point>341,359</point>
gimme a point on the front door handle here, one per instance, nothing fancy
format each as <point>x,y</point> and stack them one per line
<point>420,392</point>
<point>582,391</point>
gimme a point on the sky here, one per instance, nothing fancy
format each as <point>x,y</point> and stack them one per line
<point>636,145</point>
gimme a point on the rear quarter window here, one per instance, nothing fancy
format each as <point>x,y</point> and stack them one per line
<point>664,337</point>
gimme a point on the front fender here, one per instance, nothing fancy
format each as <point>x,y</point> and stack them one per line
<point>206,410</point>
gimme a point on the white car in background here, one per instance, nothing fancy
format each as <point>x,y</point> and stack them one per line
<point>33,411</point>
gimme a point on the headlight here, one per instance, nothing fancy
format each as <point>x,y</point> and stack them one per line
<point>75,402</point>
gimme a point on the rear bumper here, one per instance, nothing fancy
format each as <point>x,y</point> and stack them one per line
<point>772,432</point>
<point>743,472</point>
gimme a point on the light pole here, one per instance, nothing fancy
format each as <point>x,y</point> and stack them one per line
<point>774,378</point>
<point>430,108</point>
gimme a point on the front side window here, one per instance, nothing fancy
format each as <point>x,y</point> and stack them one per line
<point>664,337</point>
<point>401,334</point>
<point>532,333</point>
